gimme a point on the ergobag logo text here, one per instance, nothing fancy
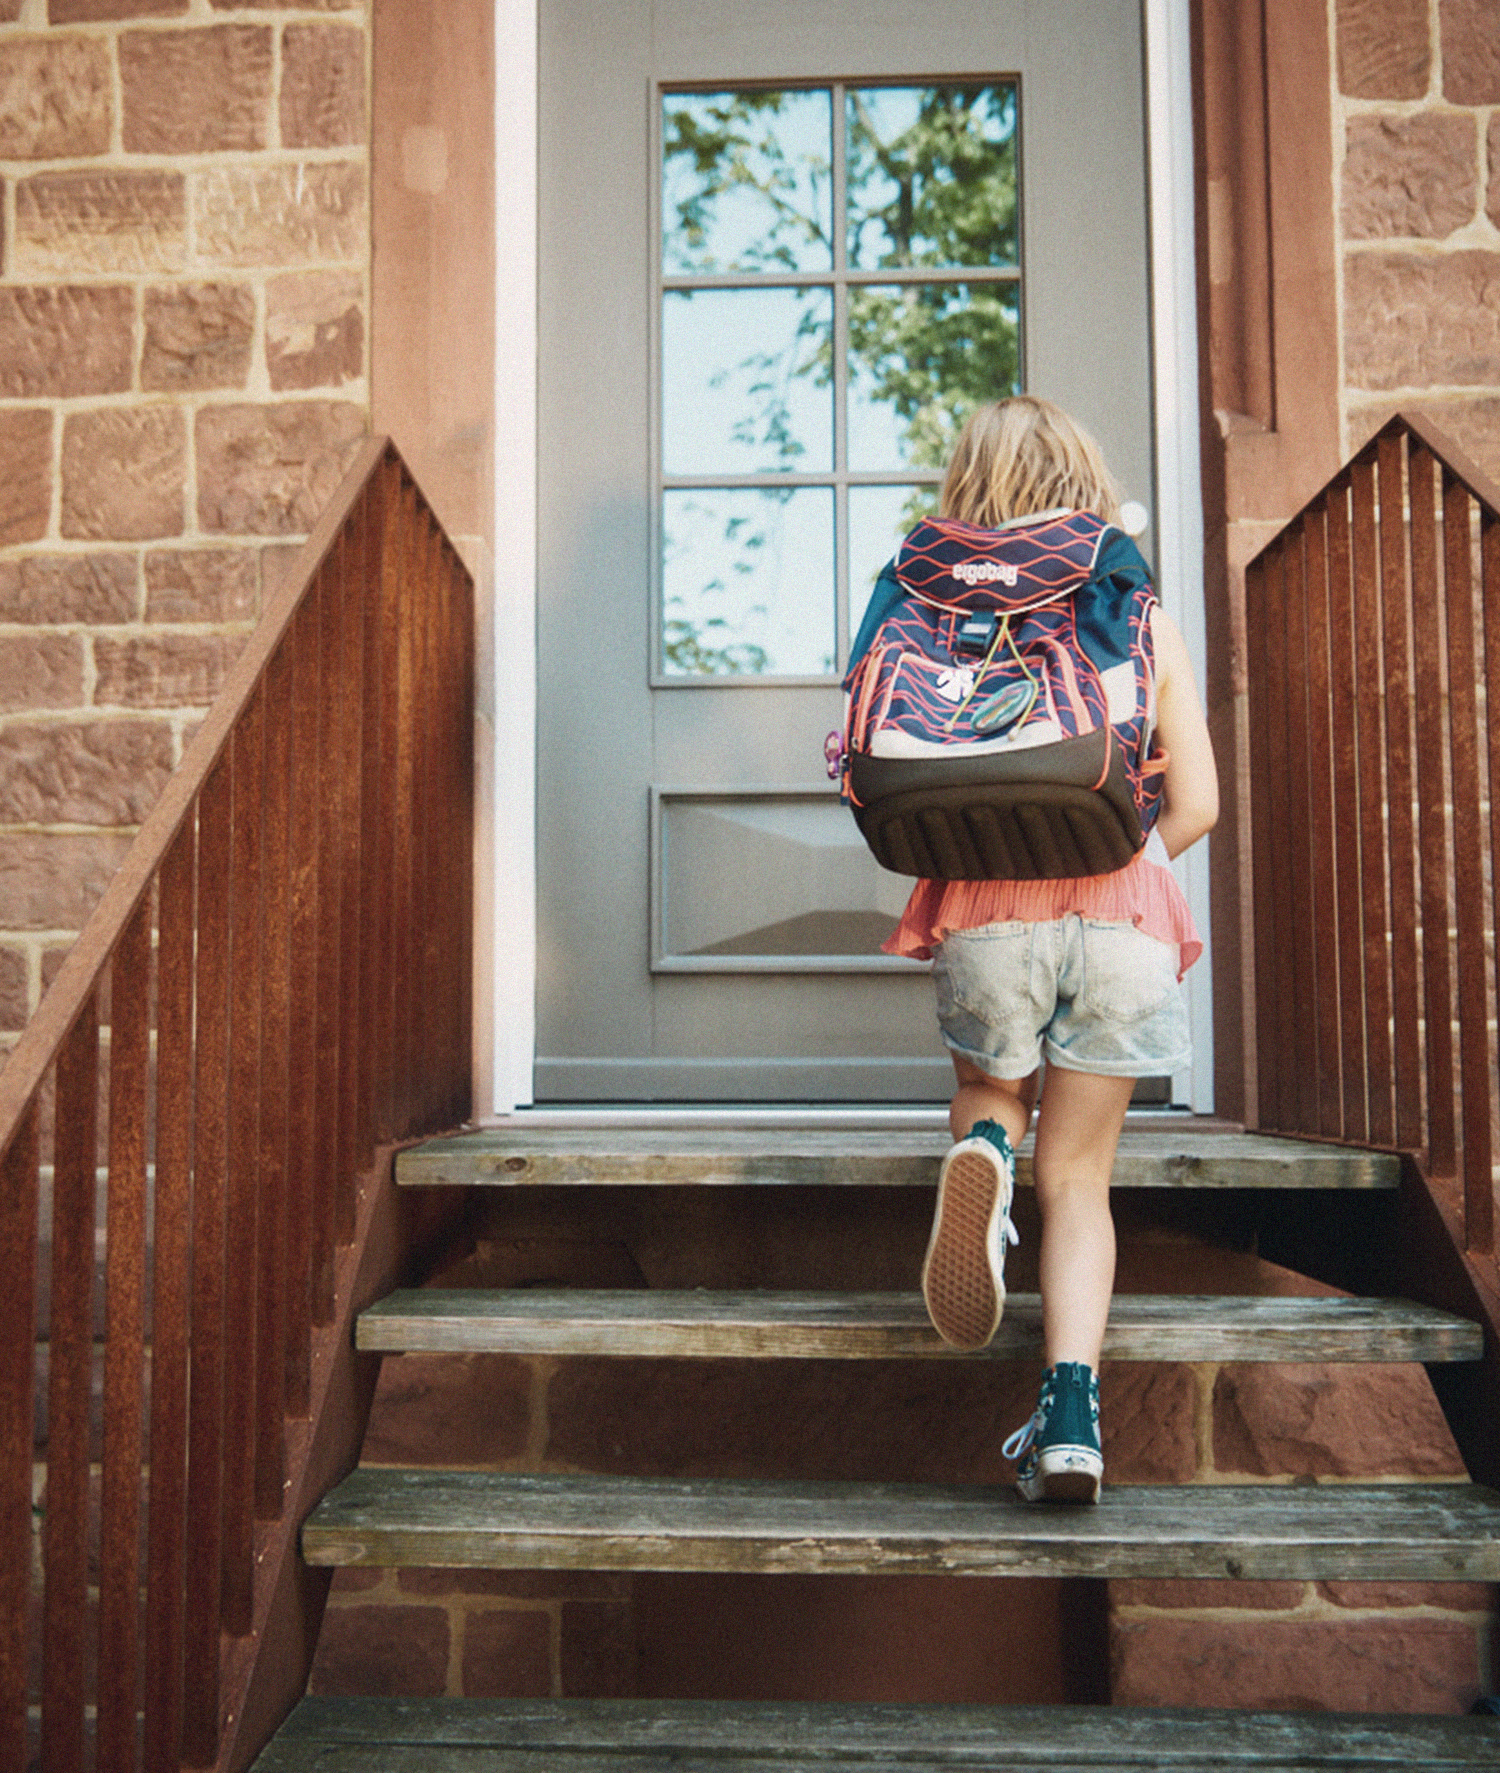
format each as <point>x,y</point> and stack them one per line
<point>999,724</point>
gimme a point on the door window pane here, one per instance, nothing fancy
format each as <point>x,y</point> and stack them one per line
<point>746,181</point>
<point>879,516</point>
<point>747,582</point>
<point>932,175</point>
<point>747,383</point>
<point>827,323</point>
<point>922,356</point>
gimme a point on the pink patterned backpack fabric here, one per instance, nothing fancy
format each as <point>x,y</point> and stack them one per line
<point>1000,717</point>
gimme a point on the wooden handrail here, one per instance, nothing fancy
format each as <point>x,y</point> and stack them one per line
<point>1373,627</point>
<point>273,989</point>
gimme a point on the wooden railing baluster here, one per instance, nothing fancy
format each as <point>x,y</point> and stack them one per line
<point>247,754</point>
<point>1395,610</point>
<point>1370,803</point>
<point>125,1342</point>
<point>1468,866</point>
<point>19,1197</point>
<point>65,1521</point>
<point>272,1333</point>
<point>1350,948</point>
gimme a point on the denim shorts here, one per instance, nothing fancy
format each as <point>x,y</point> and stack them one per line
<point>1089,994</point>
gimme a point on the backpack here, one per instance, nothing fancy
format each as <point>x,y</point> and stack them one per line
<point>999,721</point>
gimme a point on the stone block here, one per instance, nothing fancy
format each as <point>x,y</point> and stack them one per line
<point>68,588</point>
<point>1175,1595</point>
<point>98,772</point>
<point>271,470</point>
<point>62,341</point>
<point>200,91</point>
<point>282,215</point>
<point>77,12</point>
<point>117,221</point>
<point>56,97</point>
<point>910,1421</point>
<point>162,670</point>
<point>123,470</point>
<point>315,329</point>
<point>1310,1421</point>
<point>1450,1597</point>
<point>10,11</point>
<point>25,476</point>
<point>1147,1417</point>
<point>1472,424</point>
<point>1414,175</point>
<point>1373,1664</point>
<point>903,1639</point>
<point>1492,149</point>
<point>15,989</point>
<point>201,585</point>
<point>430,1409</point>
<point>53,882</point>
<point>382,1651</point>
<point>322,86</point>
<point>1384,48</point>
<point>40,671</point>
<point>1471,51</point>
<point>1415,322</point>
<point>597,1642</point>
<point>508,1654</point>
<point>198,335</point>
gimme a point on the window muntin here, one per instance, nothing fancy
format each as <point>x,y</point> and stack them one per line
<point>830,309</point>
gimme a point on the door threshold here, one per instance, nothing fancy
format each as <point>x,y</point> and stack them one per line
<point>836,1116</point>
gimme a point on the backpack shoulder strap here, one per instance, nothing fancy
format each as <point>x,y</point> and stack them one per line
<point>887,594</point>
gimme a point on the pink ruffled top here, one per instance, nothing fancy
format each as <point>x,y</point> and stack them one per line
<point>1144,892</point>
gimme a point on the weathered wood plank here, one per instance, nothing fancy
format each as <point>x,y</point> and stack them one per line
<point>634,1736</point>
<point>863,1156</point>
<point>895,1326</point>
<point>489,1520</point>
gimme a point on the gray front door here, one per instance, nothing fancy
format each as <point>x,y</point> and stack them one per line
<point>785,244</point>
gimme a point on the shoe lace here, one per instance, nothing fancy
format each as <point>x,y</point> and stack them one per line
<point>1018,1445</point>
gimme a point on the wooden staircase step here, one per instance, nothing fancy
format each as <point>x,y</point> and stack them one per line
<point>895,1326</point>
<point>862,1156</point>
<point>686,1736</point>
<point>1308,1532</point>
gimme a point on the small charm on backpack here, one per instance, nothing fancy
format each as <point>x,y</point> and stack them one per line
<point>833,755</point>
<point>954,685</point>
<point>1013,703</point>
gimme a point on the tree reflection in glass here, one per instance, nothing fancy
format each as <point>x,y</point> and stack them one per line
<point>928,189</point>
<point>746,181</point>
<point>931,176</point>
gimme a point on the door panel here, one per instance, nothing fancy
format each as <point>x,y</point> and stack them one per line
<point>689,866</point>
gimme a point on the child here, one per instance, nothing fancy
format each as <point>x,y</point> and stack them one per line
<point>1083,972</point>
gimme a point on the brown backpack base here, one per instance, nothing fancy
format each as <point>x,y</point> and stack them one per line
<point>1053,812</point>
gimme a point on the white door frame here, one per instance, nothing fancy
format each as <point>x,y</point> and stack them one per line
<point>507,671</point>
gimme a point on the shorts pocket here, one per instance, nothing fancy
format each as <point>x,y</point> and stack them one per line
<point>1127,975</point>
<point>985,971</point>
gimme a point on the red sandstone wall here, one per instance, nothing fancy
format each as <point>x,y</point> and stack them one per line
<point>1419,215</point>
<point>184,269</point>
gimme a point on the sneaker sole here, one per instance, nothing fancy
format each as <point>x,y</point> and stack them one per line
<point>1064,1474</point>
<point>964,1297</point>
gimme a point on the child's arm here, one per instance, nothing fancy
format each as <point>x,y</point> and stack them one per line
<point>1191,783</point>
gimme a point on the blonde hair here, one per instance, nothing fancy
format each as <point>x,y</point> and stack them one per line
<point>1020,457</point>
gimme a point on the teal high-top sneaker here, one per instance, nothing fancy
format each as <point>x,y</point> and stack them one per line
<point>963,1274</point>
<point>1058,1448</point>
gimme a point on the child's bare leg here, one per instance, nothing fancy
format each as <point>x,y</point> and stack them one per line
<point>1078,1129</point>
<point>982,1097</point>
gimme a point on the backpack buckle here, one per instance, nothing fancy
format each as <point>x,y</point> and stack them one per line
<point>976,634</point>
